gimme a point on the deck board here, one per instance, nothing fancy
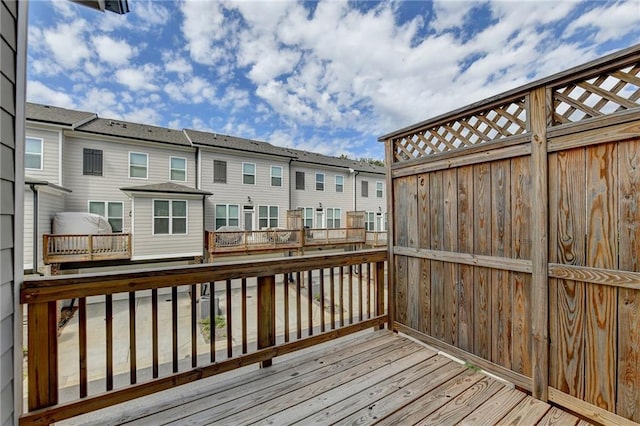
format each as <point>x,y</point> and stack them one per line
<point>374,378</point>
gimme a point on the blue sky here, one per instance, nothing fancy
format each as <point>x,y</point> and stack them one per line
<point>328,77</point>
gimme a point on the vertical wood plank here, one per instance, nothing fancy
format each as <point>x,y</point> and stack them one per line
<point>482,245</point>
<point>350,293</point>
<point>391,203</point>
<point>42,329</point>
<point>401,235</point>
<point>369,310</point>
<point>539,242</point>
<point>341,295</point>
<point>424,241</point>
<point>628,386</point>
<point>321,300</point>
<point>602,252</point>
<point>212,322</point>
<point>266,314</point>
<point>229,320</point>
<point>436,204</point>
<point>194,328</point>
<point>360,297</point>
<point>82,344</point>
<point>465,245</point>
<point>174,329</point>
<point>298,305</point>
<point>521,249</point>
<point>154,332</point>
<point>332,298</point>
<point>310,302</point>
<point>132,338</point>
<point>450,243</point>
<point>379,284</point>
<point>243,290</point>
<point>568,247</point>
<point>501,246</point>
<point>108,307</point>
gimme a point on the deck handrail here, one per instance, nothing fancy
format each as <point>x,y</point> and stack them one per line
<point>345,293</point>
<point>60,248</point>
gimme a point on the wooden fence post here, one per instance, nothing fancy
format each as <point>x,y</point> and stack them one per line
<point>391,305</point>
<point>539,244</point>
<point>266,314</point>
<point>380,291</point>
<point>42,344</point>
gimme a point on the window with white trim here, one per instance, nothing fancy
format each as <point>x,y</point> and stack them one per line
<point>249,173</point>
<point>333,217</point>
<point>319,181</point>
<point>33,153</point>
<point>178,169</point>
<point>138,165</point>
<point>112,210</point>
<point>369,221</point>
<point>219,171</point>
<point>339,183</point>
<point>227,215</point>
<point>307,216</point>
<point>268,216</point>
<point>364,189</point>
<point>276,176</point>
<point>169,217</point>
<point>379,189</point>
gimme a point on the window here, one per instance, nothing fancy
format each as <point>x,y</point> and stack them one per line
<point>248,173</point>
<point>219,171</point>
<point>227,215</point>
<point>92,162</point>
<point>276,176</point>
<point>333,218</point>
<point>33,154</point>
<point>379,187</point>
<point>178,169</point>
<point>268,216</point>
<point>319,181</point>
<point>138,163</point>
<point>300,180</point>
<point>307,216</point>
<point>369,221</point>
<point>365,188</point>
<point>112,210</point>
<point>169,217</point>
<point>339,183</point>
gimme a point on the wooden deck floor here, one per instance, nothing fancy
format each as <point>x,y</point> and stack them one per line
<point>375,378</point>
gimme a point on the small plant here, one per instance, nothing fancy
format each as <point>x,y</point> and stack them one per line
<point>471,367</point>
<point>205,327</point>
<point>220,321</point>
<point>316,297</point>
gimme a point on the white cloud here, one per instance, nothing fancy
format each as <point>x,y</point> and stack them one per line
<point>146,115</point>
<point>150,12</point>
<point>194,90</point>
<point>621,18</point>
<point>114,52</point>
<point>175,63</point>
<point>67,44</point>
<point>39,93</point>
<point>236,97</point>
<point>102,101</point>
<point>138,79</point>
<point>204,28</point>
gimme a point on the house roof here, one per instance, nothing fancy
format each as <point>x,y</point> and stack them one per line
<point>167,188</point>
<point>39,182</point>
<point>126,129</point>
<point>55,115</point>
<point>313,158</point>
<point>235,143</point>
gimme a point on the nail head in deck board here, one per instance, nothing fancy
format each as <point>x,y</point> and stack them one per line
<point>628,384</point>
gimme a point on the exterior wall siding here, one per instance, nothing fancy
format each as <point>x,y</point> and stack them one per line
<point>149,246</point>
<point>115,174</point>
<point>235,192</point>
<point>49,203</point>
<point>51,155</point>
<point>329,197</point>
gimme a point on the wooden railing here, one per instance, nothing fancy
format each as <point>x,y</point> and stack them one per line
<point>126,342</point>
<point>281,239</point>
<point>376,238</point>
<point>85,247</point>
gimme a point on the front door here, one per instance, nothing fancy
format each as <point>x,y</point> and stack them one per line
<point>319,219</point>
<point>248,220</point>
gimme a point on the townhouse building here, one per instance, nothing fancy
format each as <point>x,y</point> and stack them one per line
<point>167,187</point>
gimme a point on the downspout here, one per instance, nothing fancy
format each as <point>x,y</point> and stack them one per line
<point>35,228</point>
<point>290,184</point>
<point>355,189</point>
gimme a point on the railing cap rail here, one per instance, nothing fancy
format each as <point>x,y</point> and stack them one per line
<point>47,289</point>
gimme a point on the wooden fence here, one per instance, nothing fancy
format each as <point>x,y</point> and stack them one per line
<point>516,236</point>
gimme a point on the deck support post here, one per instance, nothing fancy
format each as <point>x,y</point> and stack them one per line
<point>380,291</point>
<point>266,314</point>
<point>539,244</point>
<point>42,338</point>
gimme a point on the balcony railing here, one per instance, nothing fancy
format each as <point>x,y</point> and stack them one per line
<point>86,247</point>
<point>125,341</point>
<point>376,239</point>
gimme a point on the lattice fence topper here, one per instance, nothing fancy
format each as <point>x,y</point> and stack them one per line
<point>605,94</point>
<point>486,126</point>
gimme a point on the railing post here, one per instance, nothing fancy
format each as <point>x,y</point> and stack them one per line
<point>380,290</point>
<point>266,314</point>
<point>90,247</point>
<point>42,345</point>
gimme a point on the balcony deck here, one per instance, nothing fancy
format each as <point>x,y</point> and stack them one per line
<point>370,378</point>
